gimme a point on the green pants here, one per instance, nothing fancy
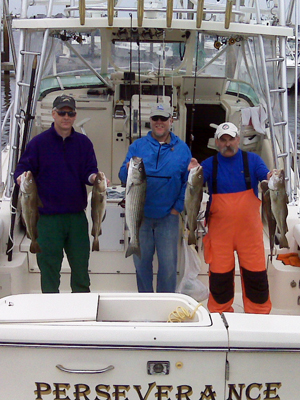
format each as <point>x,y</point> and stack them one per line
<point>67,232</point>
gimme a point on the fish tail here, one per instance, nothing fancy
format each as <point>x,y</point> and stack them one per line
<point>133,249</point>
<point>192,238</point>
<point>283,243</point>
<point>96,246</point>
<point>35,247</point>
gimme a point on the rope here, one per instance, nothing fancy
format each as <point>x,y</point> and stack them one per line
<point>181,314</point>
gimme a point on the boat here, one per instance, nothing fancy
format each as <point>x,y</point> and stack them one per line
<point>211,61</point>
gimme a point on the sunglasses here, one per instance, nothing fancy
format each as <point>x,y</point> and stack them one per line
<point>157,117</point>
<point>63,113</point>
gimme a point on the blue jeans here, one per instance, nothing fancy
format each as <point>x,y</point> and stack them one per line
<point>160,234</point>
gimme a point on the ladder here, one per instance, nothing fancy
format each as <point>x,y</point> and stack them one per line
<point>279,63</point>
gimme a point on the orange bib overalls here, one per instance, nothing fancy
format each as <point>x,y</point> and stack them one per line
<point>235,225</point>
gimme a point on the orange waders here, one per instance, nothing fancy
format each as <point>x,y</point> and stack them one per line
<point>235,224</point>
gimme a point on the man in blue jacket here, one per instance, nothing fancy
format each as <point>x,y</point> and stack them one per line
<point>166,159</point>
<point>62,162</point>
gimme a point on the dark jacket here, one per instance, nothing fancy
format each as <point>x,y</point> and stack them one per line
<point>61,168</point>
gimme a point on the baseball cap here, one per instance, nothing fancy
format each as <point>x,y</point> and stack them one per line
<point>64,101</point>
<point>227,128</point>
<point>160,109</point>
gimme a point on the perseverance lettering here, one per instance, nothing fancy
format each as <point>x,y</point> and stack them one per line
<point>82,391</point>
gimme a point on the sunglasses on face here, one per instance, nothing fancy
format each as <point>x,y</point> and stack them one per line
<point>63,113</point>
<point>157,117</point>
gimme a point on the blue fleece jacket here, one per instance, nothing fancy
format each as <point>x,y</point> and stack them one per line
<point>166,169</point>
<point>230,178</point>
<point>61,168</point>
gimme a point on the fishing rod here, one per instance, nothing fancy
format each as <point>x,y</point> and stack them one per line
<point>130,81</point>
<point>157,97</point>
<point>194,95</point>
<point>164,64</point>
<point>27,122</point>
<point>139,67</point>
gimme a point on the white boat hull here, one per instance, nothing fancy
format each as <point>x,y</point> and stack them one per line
<point>121,346</point>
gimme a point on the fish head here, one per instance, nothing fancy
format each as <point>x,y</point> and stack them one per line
<point>137,169</point>
<point>27,182</point>
<point>277,179</point>
<point>196,176</point>
<point>100,182</point>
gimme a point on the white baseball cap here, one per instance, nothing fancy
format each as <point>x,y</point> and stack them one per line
<point>226,128</point>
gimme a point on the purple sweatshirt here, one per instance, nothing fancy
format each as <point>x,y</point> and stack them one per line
<point>61,168</point>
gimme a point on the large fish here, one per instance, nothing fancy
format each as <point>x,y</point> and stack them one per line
<point>98,206</point>
<point>192,200</point>
<point>266,202</point>
<point>30,214</point>
<point>279,200</point>
<point>134,203</point>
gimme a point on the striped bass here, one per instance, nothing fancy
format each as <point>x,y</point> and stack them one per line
<point>279,200</point>
<point>98,207</point>
<point>134,203</point>
<point>30,214</point>
<point>192,200</point>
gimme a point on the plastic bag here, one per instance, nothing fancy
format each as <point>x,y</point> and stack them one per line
<point>190,284</point>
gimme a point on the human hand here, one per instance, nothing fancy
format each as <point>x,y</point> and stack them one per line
<point>270,173</point>
<point>193,163</point>
<point>19,178</point>
<point>174,212</point>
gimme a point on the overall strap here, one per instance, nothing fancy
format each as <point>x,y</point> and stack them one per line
<point>214,174</point>
<point>246,170</point>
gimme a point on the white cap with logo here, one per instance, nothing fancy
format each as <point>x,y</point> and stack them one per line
<point>160,109</point>
<point>226,128</point>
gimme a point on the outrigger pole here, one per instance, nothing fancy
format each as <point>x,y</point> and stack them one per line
<point>15,194</point>
<point>194,95</point>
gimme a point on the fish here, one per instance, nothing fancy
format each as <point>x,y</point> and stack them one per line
<point>266,203</point>
<point>192,200</point>
<point>279,201</point>
<point>30,202</point>
<point>98,207</point>
<point>135,195</point>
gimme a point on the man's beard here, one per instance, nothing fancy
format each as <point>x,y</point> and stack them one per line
<point>228,148</point>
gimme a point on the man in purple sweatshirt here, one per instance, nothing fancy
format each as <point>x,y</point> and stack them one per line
<point>62,162</point>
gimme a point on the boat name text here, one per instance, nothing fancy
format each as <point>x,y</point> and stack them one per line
<point>82,391</point>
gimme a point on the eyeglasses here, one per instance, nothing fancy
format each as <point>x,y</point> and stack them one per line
<point>71,114</point>
<point>157,117</point>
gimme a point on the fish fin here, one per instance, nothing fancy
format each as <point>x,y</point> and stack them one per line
<point>35,247</point>
<point>39,201</point>
<point>133,250</point>
<point>129,187</point>
<point>122,203</point>
<point>96,246</point>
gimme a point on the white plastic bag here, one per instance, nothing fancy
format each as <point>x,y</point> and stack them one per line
<point>190,284</point>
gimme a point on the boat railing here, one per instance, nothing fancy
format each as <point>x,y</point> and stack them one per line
<point>198,11</point>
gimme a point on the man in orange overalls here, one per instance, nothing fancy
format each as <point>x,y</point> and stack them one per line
<point>235,224</point>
